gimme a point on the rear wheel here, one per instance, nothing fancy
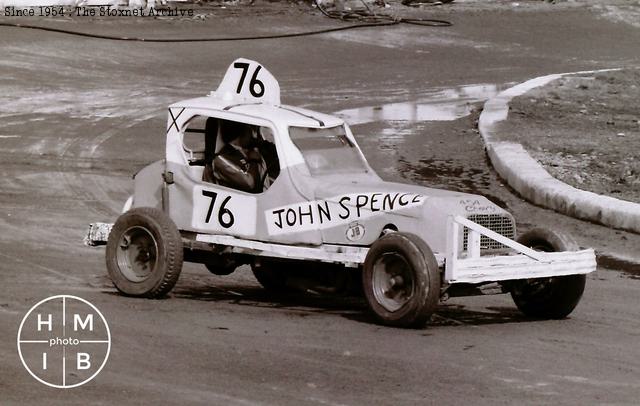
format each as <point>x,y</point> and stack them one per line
<point>144,253</point>
<point>548,298</point>
<point>401,280</point>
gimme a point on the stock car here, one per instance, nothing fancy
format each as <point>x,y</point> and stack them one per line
<point>325,214</point>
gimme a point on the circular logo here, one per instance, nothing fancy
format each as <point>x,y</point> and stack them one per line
<point>64,341</point>
<point>355,231</point>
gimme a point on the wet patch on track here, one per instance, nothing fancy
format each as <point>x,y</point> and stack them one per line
<point>629,268</point>
<point>439,104</point>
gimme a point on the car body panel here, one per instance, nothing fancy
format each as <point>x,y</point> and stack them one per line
<point>148,184</point>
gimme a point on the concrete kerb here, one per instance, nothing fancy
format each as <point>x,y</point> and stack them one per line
<point>534,183</point>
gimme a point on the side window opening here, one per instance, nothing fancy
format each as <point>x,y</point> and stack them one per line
<point>193,142</point>
<point>234,154</point>
<point>268,150</point>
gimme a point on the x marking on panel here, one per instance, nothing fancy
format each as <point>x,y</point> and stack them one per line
<point>175,120</point>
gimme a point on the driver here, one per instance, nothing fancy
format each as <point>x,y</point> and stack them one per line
<point>239,164</point>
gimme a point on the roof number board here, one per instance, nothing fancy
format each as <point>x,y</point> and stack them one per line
<point>255,82</point>
<point>247,81</point>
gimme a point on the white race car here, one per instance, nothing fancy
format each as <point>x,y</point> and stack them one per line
<point>317,209</point>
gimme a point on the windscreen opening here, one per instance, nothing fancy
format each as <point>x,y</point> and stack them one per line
<point>327,150</point>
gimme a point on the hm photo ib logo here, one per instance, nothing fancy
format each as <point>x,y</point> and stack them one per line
<point>64,341</point>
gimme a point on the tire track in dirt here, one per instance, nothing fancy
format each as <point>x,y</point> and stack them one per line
<point>90,188</point>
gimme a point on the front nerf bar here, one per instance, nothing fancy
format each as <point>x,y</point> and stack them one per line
<point>97,234</point>
<point>470,267</point>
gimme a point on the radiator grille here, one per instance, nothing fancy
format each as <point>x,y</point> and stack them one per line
<point>499,223</point>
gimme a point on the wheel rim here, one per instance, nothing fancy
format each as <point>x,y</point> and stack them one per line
<point>137,253</point>
<point>392,281</point>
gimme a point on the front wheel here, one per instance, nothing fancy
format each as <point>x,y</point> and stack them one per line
<point>401,280</point>
<point>144,253</point>
<point>548,298</point>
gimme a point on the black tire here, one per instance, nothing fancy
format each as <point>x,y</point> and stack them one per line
<point>272,275</point>
<point>144,253</point>
<point>548,298</point>
<point>401,280</point>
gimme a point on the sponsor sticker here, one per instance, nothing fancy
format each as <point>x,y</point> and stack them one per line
<point>476,206</point>
<point>337,210</point>
<point>355,232</point>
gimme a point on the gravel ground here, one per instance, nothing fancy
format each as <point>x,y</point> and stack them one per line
<point>584,130</point>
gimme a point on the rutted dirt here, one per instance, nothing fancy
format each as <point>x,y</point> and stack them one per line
<point>585,131</point>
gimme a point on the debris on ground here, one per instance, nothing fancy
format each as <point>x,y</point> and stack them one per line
<point>584,130</point>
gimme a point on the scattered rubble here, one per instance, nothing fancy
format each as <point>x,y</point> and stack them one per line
<point>584,130</point>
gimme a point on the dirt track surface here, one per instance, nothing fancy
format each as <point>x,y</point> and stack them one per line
<point>79,116</point>
<point>584,130</point>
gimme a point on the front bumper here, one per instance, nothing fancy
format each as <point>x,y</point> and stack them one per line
<point>97,234</point>
<point>472,267</point>
<point>520,266</point>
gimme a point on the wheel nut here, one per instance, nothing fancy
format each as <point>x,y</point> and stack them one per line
<point>396,280</point>
<point>124,243</point>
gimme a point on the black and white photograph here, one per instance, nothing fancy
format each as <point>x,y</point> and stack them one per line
<point>319,202</point>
